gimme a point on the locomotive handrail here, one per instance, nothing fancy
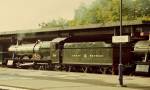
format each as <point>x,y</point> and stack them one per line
<point>37,42</point>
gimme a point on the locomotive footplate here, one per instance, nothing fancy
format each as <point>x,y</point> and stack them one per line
<point>143,68</point>
<point>26,62</point>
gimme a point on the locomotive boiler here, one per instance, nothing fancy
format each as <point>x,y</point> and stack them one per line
<point>142,47</point>
<point>37,51</point>
<point>32,55</point>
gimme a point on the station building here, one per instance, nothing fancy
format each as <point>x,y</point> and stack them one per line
<point>136,30</point>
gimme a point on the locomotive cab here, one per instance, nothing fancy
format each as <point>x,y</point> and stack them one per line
<point>57,46</point>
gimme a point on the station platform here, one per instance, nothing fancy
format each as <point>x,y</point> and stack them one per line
<point>20,79</point>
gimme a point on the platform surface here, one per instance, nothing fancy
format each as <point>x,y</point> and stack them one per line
<point>19,79</point>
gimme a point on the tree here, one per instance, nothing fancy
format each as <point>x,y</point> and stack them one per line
<point>104,11</point>
<point>55,23</point>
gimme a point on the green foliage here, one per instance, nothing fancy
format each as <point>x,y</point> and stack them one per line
<point>104,11</point>
<point>55,23</point>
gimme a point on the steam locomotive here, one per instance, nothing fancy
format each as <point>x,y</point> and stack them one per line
<point>142,56</point>
<point>98,57</point>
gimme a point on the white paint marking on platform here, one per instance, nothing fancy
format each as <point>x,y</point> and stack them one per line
<point>10,88</point>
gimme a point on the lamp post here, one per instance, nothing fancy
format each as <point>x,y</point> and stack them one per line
<point>120,67</point>
<point>120,39</point>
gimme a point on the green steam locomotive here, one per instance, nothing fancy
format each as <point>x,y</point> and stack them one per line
<point>97,57</point>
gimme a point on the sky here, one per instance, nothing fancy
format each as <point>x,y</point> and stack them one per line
<point>27,14</point>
